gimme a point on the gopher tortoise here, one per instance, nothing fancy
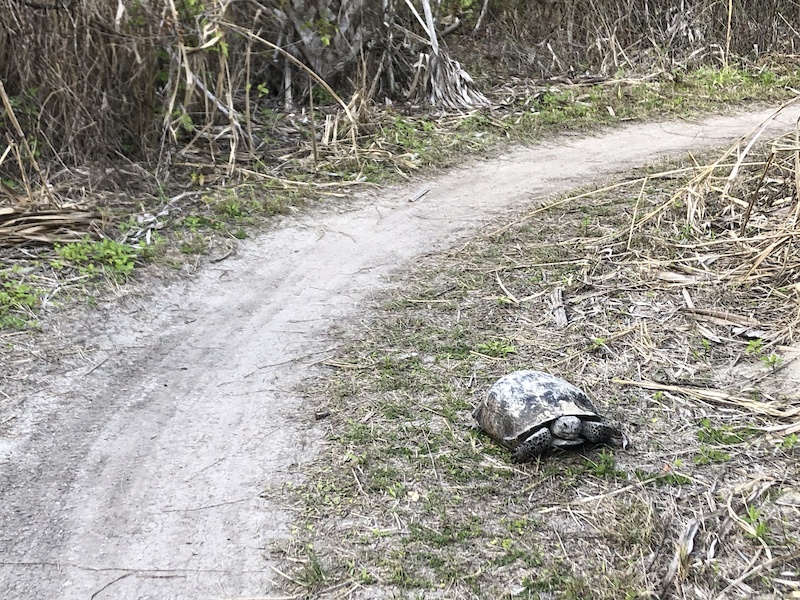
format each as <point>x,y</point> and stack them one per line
<point>530,412</point>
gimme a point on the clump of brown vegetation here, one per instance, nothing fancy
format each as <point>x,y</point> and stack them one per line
<point>102,80</point>
<point>555,37</point>
<point>158,82</point>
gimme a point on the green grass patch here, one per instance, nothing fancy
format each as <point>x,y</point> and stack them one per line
<point>94,257</point>
<point>723,435</point>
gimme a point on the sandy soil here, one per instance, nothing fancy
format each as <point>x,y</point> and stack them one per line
<point>138,474</point>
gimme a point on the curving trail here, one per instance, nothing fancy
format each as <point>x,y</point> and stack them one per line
<point>140,478</point>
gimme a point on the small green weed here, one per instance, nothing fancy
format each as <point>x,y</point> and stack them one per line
<point>402,578</point>
<point>195,222</point>
<point>772,360</point>
<point>755,520</point>
<point>313,575</point>
<point>790,442</point>
<point>495,349</point>
<point>361,575</point>
<point>719,78</point>
<point>511,551</point>
<point>128,226</point>
<point>755,347</point>
<point>411,134</point>
<point>448,532</point>
<point>233,209</point>
<point>707,455</point>
<point>724,435</point>
<point>606,466</point>
<point>518,526</point>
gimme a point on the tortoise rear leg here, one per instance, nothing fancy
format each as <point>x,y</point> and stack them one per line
<point>597,432</point>
<point>533,446</point>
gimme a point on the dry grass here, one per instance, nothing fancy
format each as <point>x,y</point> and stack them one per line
<point>604,36</point>
<point>680,324</point>
<point>153,99</point>
<point>159,83</point>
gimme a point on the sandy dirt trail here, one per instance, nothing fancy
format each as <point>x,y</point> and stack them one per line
<point>140,478</point>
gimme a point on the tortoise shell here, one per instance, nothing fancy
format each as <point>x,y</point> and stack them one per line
<point>522,402</point>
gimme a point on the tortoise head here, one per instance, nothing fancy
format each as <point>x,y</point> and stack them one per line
<point>566,427</point>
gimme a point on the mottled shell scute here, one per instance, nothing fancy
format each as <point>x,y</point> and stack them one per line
<point>524,401</point>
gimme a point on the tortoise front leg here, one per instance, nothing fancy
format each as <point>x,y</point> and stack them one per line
<point>600,433</point>
<point>533,446</point>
